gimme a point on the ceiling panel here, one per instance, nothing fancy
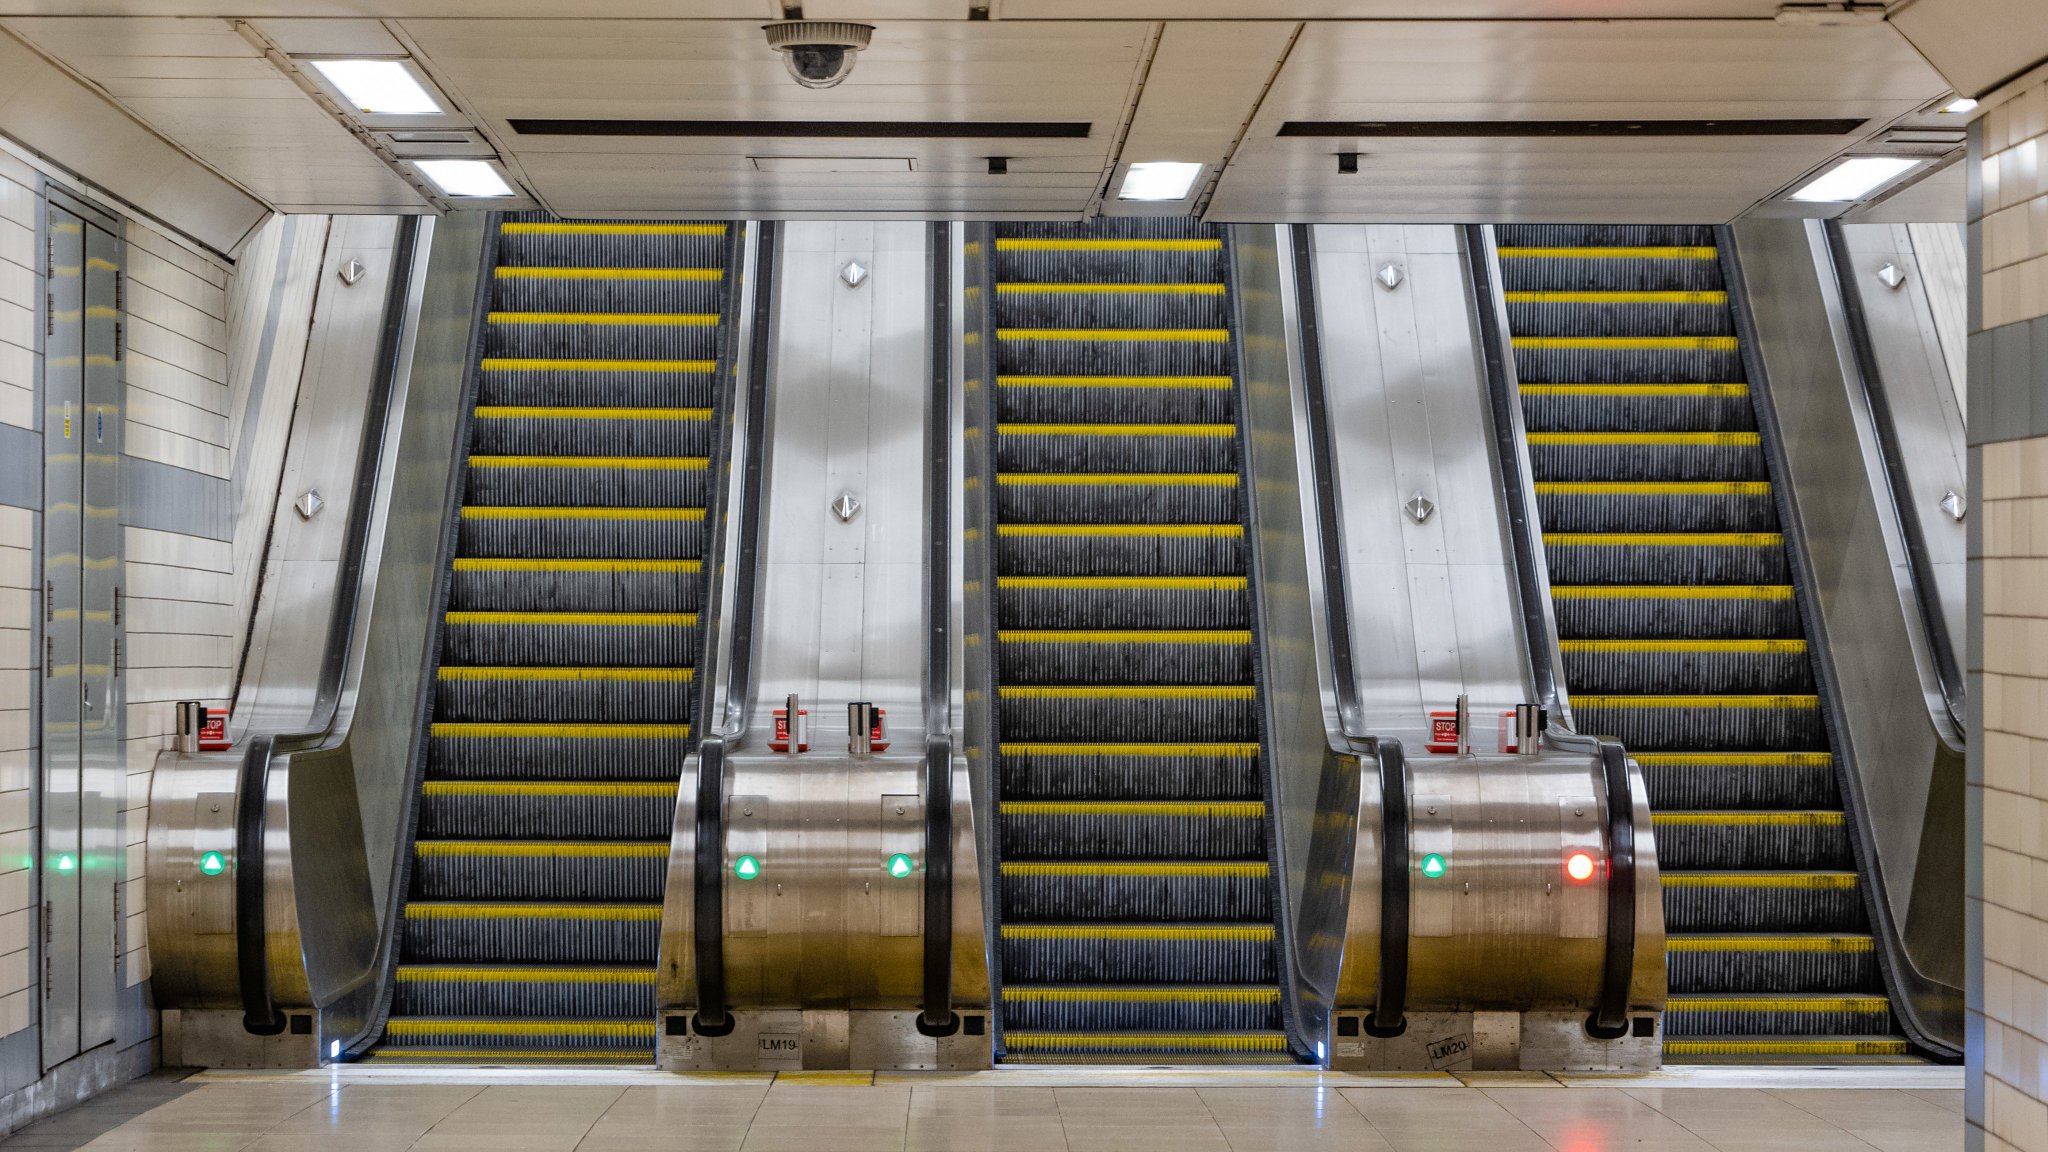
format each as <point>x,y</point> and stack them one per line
<point>723,70</point>
<point>1615,70</point>
<point>202,86</point>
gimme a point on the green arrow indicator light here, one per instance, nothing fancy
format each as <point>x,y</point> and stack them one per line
<point>1433,866</point>
<point>213,864</point>
<point>900,865</point>
<point>746,868</point>
<point>65,863</point>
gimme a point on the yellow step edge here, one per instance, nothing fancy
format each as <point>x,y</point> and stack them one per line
<point>511,412</point>
<point>1795,703</point>
<point>539,364</point>
<point>1125,636</point>
<point>1135,479</point>
<point>446,910</point>
<point>1782,1047</point>
<point>1671,591</point>
<point>1629,343</point>
<point>1032,244</point>
<point>542,512</point>
<point>1199,531</point>
<point>1150,868</point>
<point>562,731</point>
<point>1181,335</point>
<point>1166,994</point>
<point>1203,431</point>
<point>539,228</point>
<point>1127,583</point>
<point>519,565</point>
<point>1751,759</point>
<point>1775,647</point>
<point>1721,390</point>
<point>645,790</point>
<point>1198,383</point>
<point>618,849</point>
<point>1232,751</point>
<point>1130,692</point>
<point>1616,252</point>
<point>1809,880</point>
<point>1653,488</point>
<point>1664,539</point>
<point>522,974</point>
<point>1223,932</point>
<point>621,619</point>
<point>1211,809</point>
<point>1749,819</point>
<point>1145,1041</point>
<point>634,675</point>
<point>622,319</point>
<point>1645,439</point>
<point>1686,1002</point>
<point>616,463</point>
<point>489,1056</point>
<point>1022,288</point>
<point>522,272</point>
<point>1784,943</point>
<point>1615,297</point>
<point>473,1026</point>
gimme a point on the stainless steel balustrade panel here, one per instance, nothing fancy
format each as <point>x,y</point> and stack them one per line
<point>102,778</point>
<point>65,424</point>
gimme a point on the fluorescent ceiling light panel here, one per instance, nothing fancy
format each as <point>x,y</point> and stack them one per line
<point>464,177</point>
<point>1960,106</point>
<point>1159,180</point>
<point>1855,178</point>
<point>379,87</point>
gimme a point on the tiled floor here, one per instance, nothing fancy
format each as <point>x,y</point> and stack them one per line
<point>1021,1110</point>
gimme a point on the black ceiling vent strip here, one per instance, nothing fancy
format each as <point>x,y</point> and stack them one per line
<point>815,129</point>
<point>1611,128</point>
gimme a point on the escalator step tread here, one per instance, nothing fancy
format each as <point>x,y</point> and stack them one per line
<point>1681,634</point>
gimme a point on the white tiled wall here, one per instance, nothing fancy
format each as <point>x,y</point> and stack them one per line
<point>2015,215</point>
<point>18,582</point>
<point>17,292</point>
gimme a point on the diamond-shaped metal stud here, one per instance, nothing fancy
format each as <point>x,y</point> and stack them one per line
<point>1892,275</point>
<point>846,507</point>
<point>1389,276</point>
<point>853,273</point>
<point>352,272</point>
<point>1419,507</point>
<point>1954,505</point>
<point>308,505</point>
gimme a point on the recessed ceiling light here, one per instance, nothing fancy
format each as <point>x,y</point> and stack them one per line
<point>1960,106</point>
<point>1855,178</point>
<point>379,87</point>
<point>465,177</point>
<point>1159,180</point>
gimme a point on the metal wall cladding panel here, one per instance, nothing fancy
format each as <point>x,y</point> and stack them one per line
<point>62,656</point>
<point>102,769</point>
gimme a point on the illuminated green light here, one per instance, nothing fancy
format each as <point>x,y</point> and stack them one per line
<point>1433,866</point>
<point>746,867</point>
<point>65,863</point>
<point>900,865</point>
<point>213,864</point>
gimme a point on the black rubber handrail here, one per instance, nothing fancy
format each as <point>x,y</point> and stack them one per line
<point>1905,984</point>
<point>1390,998</point>
<point>938,1018</point>
<point>707,927</point>
<point>1609,1020</point>
<point>252,926</point>
<point>1948,670</point>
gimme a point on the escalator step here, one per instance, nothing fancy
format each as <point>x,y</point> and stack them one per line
<point>1755,558</point>
<point>1139,399</point>
<point>601,335</point>
<point>1715,407</point>
<point>515,990</point>
<point>565,289</point>
<point>561,431</point>
<point>598,695</point>
<point>1123,305</point>
<point>477,751</point>
<point>521,809</point>
<point>1201,1008</point>
<point>1673,612</point>
<point>597,384</point>
<point>1705,723</point>
<point>575,244</point>
<point>1606,235</point>
<point>1105,713</point>
<point>535,933</point>
<point>1041,953</point>
<point>1114,351</point>
<point>1792,1049</point>
<point>511,1057</point>
<point>1610,268</point>
<point>1799,841</point>
<point>1762,902</point>
<point>562,585</point>
<point>485,1033</point>
<point>1657,506</point>
<point>1611,313</point>
<point>1136,890</point>
<point>1707,667</point>
<point>1127,549</point>
<point>1116,448</point>
<point>1236,1046</point>
<point>588,481</point>
<point>1642,456</point>
<point>622,639</point>
<point>1132,771</point>
<point>1125,602</point>
<point>1074,656</point>
<point>1740,780</point>
<point>1785,962</point>
<point>501,871</point>
<point>582,533</point>
<point>1129,497</point>
<point>1133,829</point>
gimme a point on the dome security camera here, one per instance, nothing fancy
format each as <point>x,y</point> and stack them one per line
<point>818,53</point>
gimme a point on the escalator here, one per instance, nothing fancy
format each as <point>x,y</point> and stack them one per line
<point>1680,633</point>
<point>1136,897</point>
<point>564,692</point>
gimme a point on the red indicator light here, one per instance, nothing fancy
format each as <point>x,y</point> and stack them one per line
<point>1579,866</point>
